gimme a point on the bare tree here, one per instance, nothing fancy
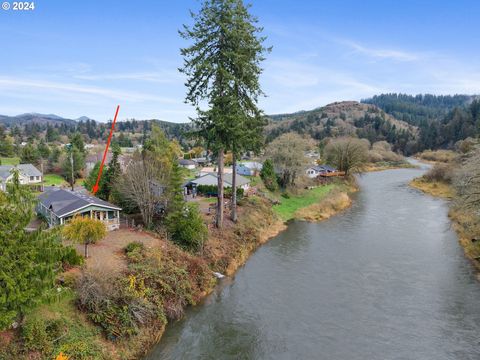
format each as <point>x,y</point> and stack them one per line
<point>467,181</point>
<point>347,154</point>
<point>143,184</point>
<point>287,153</point>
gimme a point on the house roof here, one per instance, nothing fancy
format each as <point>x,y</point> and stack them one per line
<point>186,162</point>
<point>64,202</point>
<point>320,168</point>
<point>254,165</point>
<point>25,169</point>
<point>211,179</point>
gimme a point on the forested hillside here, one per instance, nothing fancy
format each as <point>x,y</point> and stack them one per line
<point>442,120</point>
<point>346,119</point>
<point>31,127</point>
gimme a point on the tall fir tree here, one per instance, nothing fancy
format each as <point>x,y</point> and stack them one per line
<point>222,67</point>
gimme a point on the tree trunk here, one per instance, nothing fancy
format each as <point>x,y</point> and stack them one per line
<point>233,210</point>
<point>86,250</point>
<point>219,219</point>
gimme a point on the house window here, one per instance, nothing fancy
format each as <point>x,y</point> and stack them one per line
<point>37,177</point>
<point>32,178</point>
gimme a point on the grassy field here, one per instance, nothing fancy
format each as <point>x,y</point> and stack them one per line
<point>10,160</point>
<point>288,207</point>
<point>53,179</point>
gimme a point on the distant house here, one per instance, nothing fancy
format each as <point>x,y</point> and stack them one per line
<point>211,179</point>
<point>211,169</point>
<point>187,164</point>
<point>60,205</point>
<point>249,168</point>
<point>28,174</point>
<point>314,171</point>
<point>201,161</point>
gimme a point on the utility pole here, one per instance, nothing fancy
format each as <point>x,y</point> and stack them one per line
<point>70,150</point>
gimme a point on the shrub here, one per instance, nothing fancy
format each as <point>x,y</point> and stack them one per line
<point>71,258</point>
<point>286,195</point>
<point>171,280</point>
<point>110,304</point>
<point>134,246</point>
<point>34,335</point>
<point>134,251</point>
<point>186,227</point>
<point>440,172</point>
<point>268,175</point>
<point>438,155</point>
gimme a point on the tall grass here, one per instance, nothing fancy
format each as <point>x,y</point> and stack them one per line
<point>288,206</point>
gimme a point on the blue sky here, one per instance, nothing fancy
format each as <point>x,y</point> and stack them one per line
<point>75,58</point>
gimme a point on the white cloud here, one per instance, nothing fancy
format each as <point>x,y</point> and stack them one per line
<point>8,83</point>
<point>391,54</point>
<point>156,77</point>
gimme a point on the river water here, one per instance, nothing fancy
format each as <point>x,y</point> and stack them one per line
<point>386,279</point>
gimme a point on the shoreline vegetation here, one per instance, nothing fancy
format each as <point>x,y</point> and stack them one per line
<point>318,203</point>
<point>189,276</point>
<point>437,182</point>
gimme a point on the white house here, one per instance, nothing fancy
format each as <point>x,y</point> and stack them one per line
<point>314,171</point>
<point>249,168</point>
<point>27,173</point>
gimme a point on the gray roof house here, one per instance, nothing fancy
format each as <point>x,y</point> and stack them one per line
<point>187,164</point>
<point>60,205</point>
<point>211,179</point>
<point>28,174</point>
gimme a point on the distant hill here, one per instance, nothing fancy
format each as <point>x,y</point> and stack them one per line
<point>442,119</point>
<point>344,119</point>
<point>416,109</point>
<point>31,118</point>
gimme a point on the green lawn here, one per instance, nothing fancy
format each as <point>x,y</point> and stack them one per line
<point>288,207</point>
<point>53,179</point>
<point>10,160</point>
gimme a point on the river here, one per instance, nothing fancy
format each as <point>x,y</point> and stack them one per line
<point>386,279</point>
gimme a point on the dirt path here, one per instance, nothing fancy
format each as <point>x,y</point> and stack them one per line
<point>107,254</point>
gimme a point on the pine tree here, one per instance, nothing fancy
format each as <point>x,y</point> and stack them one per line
<point>176,201</point>
<point>29,260</point>
<point>222,67</point>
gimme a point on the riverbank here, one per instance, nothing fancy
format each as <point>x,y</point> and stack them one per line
<point>120,309</point>
<point>463,222</point>
<point>434,188</point>
<point>388,165</point>
<point>228,249</point>
<point>316,203</point>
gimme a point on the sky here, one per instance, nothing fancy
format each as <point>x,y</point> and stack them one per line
<point>81,58</point>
